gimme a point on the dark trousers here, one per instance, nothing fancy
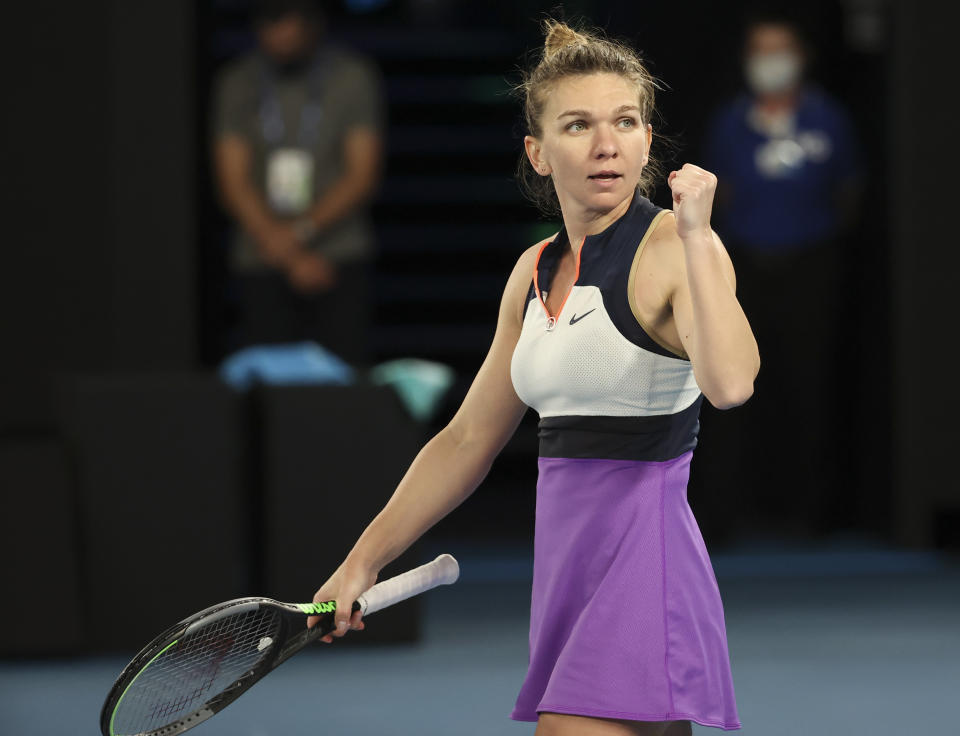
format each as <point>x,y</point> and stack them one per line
<point>772,464</point>
<point>271,311</point>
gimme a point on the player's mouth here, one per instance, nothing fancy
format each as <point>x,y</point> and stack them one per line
<point>605,179</point>
<point>603,175</point>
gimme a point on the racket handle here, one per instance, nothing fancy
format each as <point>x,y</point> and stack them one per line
<point>442,571</point>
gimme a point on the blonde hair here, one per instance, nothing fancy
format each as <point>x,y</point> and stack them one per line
<point>568,52</point>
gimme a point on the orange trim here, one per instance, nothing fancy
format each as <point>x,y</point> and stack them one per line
<point>536,285</point>
<point>576,278</point>
<point>536,270</point>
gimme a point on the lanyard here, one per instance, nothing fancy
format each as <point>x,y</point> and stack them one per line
<point>311,114</point>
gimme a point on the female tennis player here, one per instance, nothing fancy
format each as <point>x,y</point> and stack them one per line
<point>613,330</point>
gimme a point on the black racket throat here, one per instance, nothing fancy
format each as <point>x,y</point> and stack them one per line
<point>197,667</point>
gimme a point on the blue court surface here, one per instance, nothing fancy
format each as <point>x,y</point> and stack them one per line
<point>842,638</point>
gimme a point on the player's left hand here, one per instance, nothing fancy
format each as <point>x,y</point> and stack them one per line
<point>693,189</point>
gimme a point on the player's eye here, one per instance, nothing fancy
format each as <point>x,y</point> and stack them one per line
<point>627,122</point>
<point>577,126</point>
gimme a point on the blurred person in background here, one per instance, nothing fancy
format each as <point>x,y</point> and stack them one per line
<point>786,159</point>
<point>298,149</point>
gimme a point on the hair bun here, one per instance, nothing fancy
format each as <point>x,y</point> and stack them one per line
<point>559,35</point>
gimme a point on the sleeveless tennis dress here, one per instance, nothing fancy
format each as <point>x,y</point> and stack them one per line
<point>626,619</point>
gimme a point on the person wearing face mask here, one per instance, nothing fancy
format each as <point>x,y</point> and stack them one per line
<point>297,155</point>
<point>785,156</point>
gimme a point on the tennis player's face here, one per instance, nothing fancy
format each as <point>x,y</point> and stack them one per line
<point>594,143</point>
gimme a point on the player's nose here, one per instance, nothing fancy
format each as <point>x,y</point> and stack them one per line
<point>604,143</point>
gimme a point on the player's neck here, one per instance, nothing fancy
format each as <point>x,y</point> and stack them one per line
<point>590,222</point>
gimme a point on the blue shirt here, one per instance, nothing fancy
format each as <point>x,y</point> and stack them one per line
<point>781,190</point>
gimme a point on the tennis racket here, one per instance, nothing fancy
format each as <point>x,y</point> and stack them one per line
<point>196,668</point>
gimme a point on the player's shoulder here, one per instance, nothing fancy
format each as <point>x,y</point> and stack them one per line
<point>518,285</point>
<point>528,259</point>
<point>667,256</point>
<point>664,240</point>
<point>662,254</point>
<point>531,252</point>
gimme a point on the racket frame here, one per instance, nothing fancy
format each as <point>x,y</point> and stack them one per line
<point>287,642</point>
<point>444,570</point>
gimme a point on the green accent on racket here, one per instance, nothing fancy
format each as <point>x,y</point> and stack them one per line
<point>317,609</point>
<point>127,688</point>
<point>196,668</point>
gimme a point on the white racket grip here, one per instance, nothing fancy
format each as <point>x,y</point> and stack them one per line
<point>442,571</point>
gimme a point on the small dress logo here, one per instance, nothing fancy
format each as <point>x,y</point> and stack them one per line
<point>574,319</point>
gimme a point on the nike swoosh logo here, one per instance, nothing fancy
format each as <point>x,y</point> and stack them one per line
<point>574,319</point>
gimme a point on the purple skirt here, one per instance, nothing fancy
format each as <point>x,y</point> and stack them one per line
<point>626,619</point>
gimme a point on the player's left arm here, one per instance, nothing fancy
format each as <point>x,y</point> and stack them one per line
<point>710,321</point>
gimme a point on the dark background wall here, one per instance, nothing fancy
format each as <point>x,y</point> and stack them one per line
<point>114,245</point>
<point>924,262</point>
<point>99,157</point>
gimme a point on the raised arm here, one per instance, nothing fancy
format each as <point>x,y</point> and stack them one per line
<point>710,322</point>
<point>449,467</point>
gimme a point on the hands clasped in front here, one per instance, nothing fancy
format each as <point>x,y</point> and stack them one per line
<point>307,271</point>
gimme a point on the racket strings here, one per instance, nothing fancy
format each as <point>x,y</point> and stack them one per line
<point>195,669</point>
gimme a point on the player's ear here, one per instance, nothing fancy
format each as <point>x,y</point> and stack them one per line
<point>646,153</point>
<point>534,153</point>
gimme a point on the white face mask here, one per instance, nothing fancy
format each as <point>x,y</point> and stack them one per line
<point>772,73</point>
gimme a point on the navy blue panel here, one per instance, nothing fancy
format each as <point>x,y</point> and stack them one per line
<point>550,259</point>
<point>614,287</point>
<point>655,438</point>
<point>605,262</point>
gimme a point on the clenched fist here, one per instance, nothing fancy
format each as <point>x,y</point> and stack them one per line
<point>693,189</point>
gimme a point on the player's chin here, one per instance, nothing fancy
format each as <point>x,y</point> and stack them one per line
<point>606,200</point>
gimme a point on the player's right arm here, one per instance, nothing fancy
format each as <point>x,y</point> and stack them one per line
<point>450,466</point>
